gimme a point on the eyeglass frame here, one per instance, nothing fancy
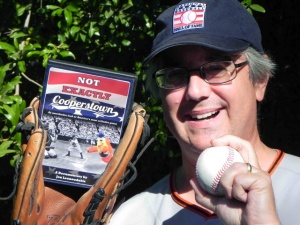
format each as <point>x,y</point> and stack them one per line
<point>201,74</point>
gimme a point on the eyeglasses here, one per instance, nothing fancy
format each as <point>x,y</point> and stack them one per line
<point>213,73</point>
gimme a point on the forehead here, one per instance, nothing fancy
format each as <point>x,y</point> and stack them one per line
<point>187,53</point>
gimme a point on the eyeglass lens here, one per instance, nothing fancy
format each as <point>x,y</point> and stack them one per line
<point>212,73</point>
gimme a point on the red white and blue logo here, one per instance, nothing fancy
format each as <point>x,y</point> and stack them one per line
<point>188,16</point>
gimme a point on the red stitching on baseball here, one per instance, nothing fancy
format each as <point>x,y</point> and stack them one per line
<point>220,173</point>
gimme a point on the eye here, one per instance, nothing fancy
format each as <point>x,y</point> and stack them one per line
<point>171,78</point>
<point>174,75</point>
<point>215,69</point>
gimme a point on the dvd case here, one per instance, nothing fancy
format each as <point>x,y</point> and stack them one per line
<point>84,110</point>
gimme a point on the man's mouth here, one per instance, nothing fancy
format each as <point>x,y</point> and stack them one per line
<point>205,116</point>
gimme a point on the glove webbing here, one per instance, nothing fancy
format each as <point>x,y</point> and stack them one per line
<point>94,203</point>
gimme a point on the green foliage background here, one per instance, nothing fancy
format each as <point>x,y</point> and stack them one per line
<point>117,34</point>
<point>112,34</point>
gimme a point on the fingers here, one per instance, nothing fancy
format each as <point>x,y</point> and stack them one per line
<point>217,204</point>
<point>253,199</point>
<point>231,180</point>
<point>203,198</point>
<point>241,178</point>
<point>243,147</point>
<point>248,188</point>
<point>237,183</point>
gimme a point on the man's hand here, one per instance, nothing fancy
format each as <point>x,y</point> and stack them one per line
<point>249,194</point>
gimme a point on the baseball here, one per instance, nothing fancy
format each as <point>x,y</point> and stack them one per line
<point>212,164</point>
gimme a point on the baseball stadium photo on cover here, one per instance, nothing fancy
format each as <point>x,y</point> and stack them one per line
<point>84,110</point>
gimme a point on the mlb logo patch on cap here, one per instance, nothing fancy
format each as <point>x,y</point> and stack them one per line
<point>188,16</point>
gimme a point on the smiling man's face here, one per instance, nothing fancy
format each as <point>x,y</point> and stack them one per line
<point>200,111</point>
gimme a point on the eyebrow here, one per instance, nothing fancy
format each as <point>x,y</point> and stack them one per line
<point>165,61</point>
<point>220,57</point>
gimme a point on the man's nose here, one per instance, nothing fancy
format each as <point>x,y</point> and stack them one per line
<point>197,88</point>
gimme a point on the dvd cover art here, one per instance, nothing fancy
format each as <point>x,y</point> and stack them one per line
<point>84,110</point>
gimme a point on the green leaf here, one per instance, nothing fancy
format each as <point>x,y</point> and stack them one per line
<point>16,116</point>
<point>257,8</point>
<point>7,151</point>
<point>67,54</point>
<point>18,100</point>
<point>22,9</point>
<point>57,12</point>
<point>111,26</point>
<point>33,53</point>
<point>21,66</point>
<point>91,29</point>
<point>126,42</point>
<point>10,86</point>
<point>51,45</point>
<point>7,99</point>
<point>16,80</point>
<point>36,45</point>
<point>74,30</point>
<point>250,11</point>
<point>249,2</point>
<point>45,60</point>
<point>62,38</point>
<point>3,70</point>
<point>18,35</point>
<point>108,14</point>
<point>5,145</point>
<point>83,37</point>
<point>10,112</point>
<point>63,46</point>
<point>68,16</point>
<point>17,43</point>
<point>7,47</point>
<point>52,7</point>
<point>14,159</point>
<point>72,8</point>
<point>116,2</point>
<point>28,47</point>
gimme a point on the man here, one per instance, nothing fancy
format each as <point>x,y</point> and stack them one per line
<point>74,145</point>
<point>209,69</point>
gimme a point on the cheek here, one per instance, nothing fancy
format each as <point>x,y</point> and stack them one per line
<point>239,96</point>
<point>168,107</point>
<point>171,101</point>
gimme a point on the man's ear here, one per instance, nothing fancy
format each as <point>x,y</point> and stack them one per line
<point>261,86</point>
<point>261,89</point>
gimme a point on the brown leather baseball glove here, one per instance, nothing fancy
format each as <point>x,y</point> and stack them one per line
<point>37,202</point>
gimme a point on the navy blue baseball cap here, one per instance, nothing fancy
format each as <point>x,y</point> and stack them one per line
<point>223,25</point>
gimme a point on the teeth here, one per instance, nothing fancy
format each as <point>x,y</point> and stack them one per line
<point>204,116</point>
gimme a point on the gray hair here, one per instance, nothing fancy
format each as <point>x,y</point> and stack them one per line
<point>261,68</point>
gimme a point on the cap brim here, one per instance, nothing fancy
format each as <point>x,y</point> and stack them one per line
<point>224,44</point>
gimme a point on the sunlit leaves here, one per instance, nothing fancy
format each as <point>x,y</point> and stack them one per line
<point>7,47</point>
<point>257,8</point>
<point>11,107</point>
<point>252,7</point>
